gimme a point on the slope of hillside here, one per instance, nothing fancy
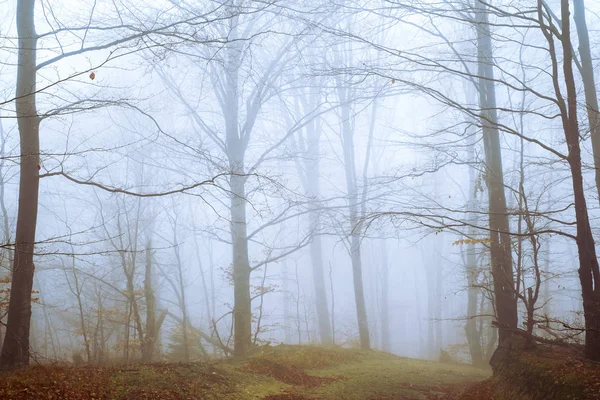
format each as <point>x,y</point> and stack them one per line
<point>273,373</point>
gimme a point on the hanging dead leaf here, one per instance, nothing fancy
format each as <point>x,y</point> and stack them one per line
<point>393,81</point>
<point>93,76</point>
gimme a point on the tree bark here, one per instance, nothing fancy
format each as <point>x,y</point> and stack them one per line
<point>15,350</point>
<point>589,271</point>
<point>500,246</point>
<point>589,85</point>
<point>242,310</point>
<point>149,340</point>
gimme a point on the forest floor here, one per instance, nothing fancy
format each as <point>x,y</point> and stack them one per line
<point>273,373</point>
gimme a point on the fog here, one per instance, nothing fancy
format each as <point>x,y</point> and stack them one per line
<point>417,177</point>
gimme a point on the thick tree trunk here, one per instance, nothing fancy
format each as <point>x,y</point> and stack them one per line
<point>15,350</point>
<point>236,145</point>
<point>589,85</point>
<point>589,271</point>
<point>500,247</point>
<point>242,310</point>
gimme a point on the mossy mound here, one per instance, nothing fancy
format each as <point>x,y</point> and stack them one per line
<point>546,373</point>
<point>538,373</point>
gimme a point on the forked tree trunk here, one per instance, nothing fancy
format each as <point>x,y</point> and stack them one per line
<point>15,349</point>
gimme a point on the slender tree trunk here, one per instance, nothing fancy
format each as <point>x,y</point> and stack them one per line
<point>5,218</point>
<point>355,231</point>
<point>77,291</point>
<point>15,350</point>
<point>312,165</point>
<point>207,300</point>
<point>287,316</point>
<point>332,304</point>
<point>589,84</point>
<point>316,256</point>
<point>47,324</point>
<point>148,344</point>
<point>500,247</point>
<point>439,292</point>
<point>385,301</point>
<point>102,341</point>
<point>472,332</point>
<point>182,299</point>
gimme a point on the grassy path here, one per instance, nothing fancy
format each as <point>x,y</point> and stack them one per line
<point>277,373</point>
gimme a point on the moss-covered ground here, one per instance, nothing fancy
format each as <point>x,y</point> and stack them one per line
<point>272,373</point>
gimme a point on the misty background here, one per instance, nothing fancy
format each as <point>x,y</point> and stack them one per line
<point>314,142</point>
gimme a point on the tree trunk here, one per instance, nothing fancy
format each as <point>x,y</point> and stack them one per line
<point>149,339</point>
<point>385,305</point>
<point>589,271</point>
<point>312,165</point>
<point>500,247</point>
<point>287,316</point>
<point>350,172</point>
<point>242,312</point>
<point>589,85</point>
<point>77,292</point>
<point>182,299</point>
<point>471,331</point>
<point>15,350</point>
<point>5,220</point>
<point>316,256</point>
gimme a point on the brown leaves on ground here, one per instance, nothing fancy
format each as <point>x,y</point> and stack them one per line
<point>156,381</point>
<point>286,396</point>
<point>479,391</point>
